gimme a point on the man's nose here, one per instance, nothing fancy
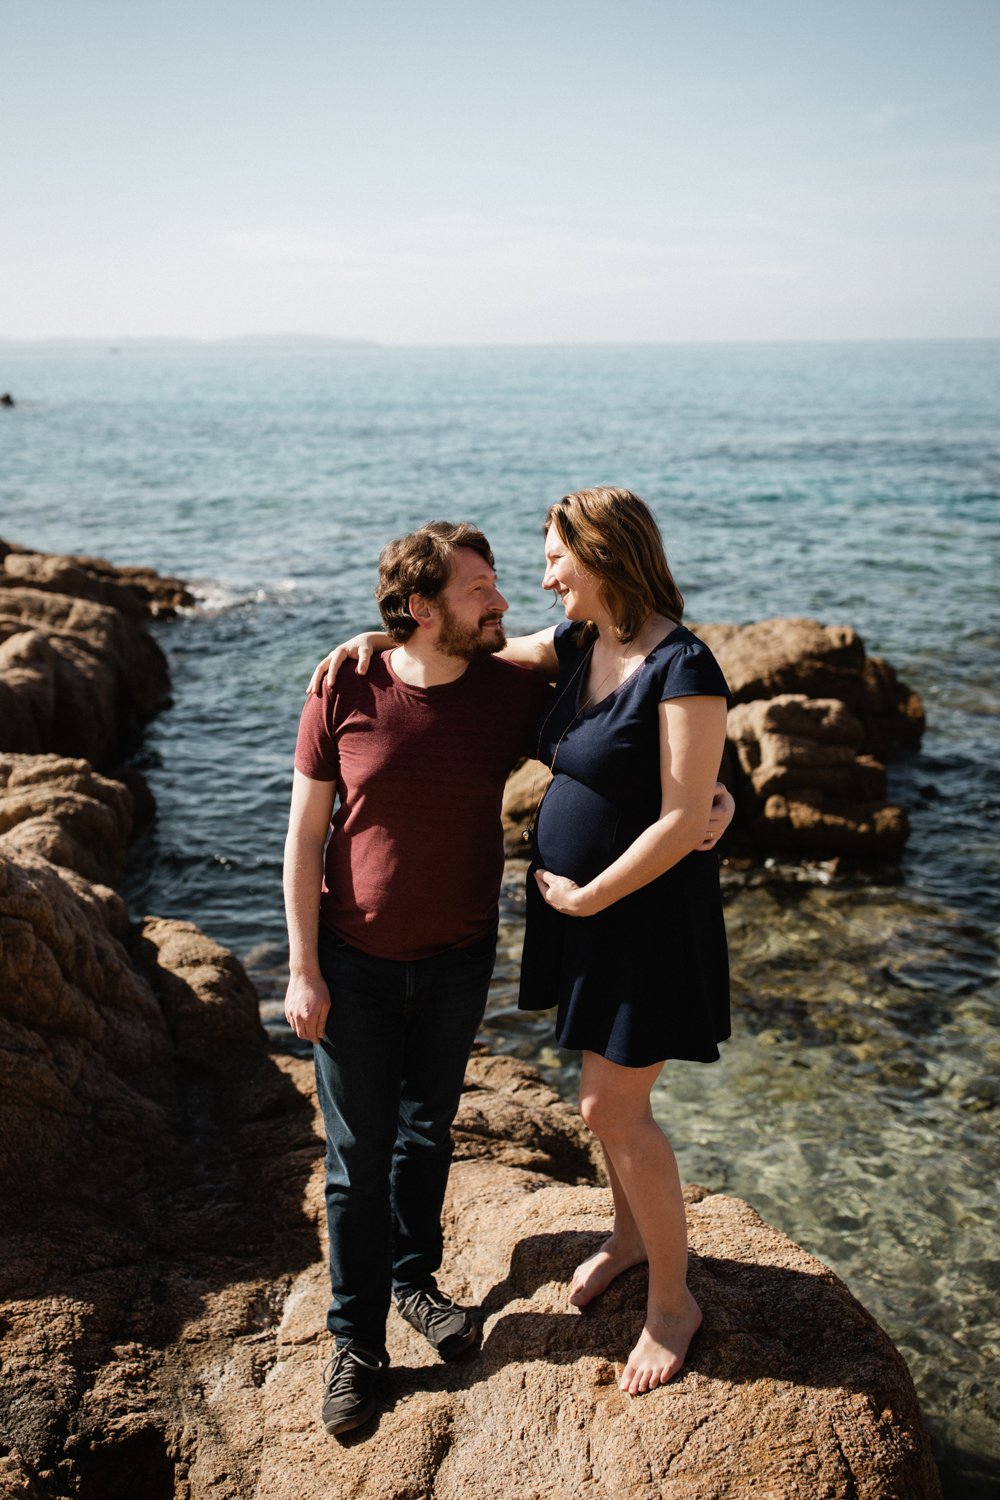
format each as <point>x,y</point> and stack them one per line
<point>500,602</point>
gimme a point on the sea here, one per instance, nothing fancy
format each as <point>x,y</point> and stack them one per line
<point>857,1104</point>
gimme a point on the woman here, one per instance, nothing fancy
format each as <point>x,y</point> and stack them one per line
<point>624,929</point>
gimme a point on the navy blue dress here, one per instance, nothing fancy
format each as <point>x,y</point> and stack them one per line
<point>647,978</point>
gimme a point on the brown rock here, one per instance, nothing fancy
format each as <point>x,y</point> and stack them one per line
<point>775,656</point>
<point>521,798</point>
<point>812,722</point>
<point>82,1041</point>
<point>894,713</point>
<point>870,830</point>
<point>806,788</point>
<point>822,721</point>
<point>185,1358</point>
<point>772,657</point>
<point>206,997</point>
<point>790,1387</point>
<point>16,1480</point>
<point>76,678</point>
<point>151,1214</point>
<point>133,591</point>
<point>63,811</point>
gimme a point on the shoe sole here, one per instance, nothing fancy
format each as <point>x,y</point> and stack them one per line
<point>348,1424</point>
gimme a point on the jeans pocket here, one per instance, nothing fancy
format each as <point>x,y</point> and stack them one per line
<point>482,951</point>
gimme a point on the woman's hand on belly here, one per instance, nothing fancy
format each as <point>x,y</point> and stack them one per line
<point>566,896</point>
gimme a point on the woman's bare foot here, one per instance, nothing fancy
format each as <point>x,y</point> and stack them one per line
<point>595,1275</point>
<point>662,1347</point>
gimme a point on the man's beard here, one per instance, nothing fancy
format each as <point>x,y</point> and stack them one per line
<point>467,641</point>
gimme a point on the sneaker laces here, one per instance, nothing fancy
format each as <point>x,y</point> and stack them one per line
<point>437,1307</point>
<point>337,1376</point>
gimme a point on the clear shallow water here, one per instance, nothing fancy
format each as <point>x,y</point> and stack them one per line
<point>857,1104</point>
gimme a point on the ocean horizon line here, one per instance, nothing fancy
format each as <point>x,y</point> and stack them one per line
<point>317,342</point>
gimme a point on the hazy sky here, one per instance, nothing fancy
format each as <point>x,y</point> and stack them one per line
<point>421,171</point>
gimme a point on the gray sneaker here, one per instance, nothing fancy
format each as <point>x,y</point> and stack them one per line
<point>447,1327</point>
<point>349,1389</point>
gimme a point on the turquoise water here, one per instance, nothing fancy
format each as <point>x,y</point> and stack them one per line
<point>856,1105</point>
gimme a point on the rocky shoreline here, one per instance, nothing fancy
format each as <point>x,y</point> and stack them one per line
<point>162,1273</point>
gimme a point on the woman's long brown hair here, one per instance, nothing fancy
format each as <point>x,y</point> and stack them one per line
<point>613,534</point>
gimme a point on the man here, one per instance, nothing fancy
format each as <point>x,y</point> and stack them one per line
<point>401,929</point>
<point>397,924</point>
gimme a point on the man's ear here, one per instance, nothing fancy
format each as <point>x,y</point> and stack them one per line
<point>421,610</point>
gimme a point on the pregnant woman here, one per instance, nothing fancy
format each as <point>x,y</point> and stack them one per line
<point>624,930</point>
<point>624,927</point>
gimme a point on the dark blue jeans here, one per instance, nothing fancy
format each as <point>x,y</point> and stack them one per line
<point>389,1074</point>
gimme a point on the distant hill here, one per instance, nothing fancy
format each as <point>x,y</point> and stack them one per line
<point>277,342</point>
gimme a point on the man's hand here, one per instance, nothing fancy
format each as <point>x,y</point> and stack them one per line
<point>307,1005</point>
<point>723,808</point>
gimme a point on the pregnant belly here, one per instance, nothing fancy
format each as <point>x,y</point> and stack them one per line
<point>578,832</point>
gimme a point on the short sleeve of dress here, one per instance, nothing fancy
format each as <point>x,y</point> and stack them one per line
<point>691,671</point>
<point>567,641</point>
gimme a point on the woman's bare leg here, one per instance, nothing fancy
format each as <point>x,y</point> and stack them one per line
<point>614,1101</point>
<point>623,1248</point>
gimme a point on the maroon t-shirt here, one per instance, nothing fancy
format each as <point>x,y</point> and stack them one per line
<point>415,854</point>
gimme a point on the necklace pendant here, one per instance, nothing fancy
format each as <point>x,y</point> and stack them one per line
<point>527,834</point>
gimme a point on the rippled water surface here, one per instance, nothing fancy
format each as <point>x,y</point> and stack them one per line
<point>856,1105</point>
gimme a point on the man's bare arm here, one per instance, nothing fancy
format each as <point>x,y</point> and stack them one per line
<point>307,1000</point>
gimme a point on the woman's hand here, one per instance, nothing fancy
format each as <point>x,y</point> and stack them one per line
<point>565,895</point>
<point>361,647</point>
<point>719,819</point>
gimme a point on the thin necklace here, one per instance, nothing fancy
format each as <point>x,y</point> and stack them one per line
<point>528,833</point>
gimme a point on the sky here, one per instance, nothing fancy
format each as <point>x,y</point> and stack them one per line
<point>536,171</point>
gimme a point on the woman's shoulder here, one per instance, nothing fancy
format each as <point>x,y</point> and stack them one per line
<point>570,640</point>
<point>685,667</point>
